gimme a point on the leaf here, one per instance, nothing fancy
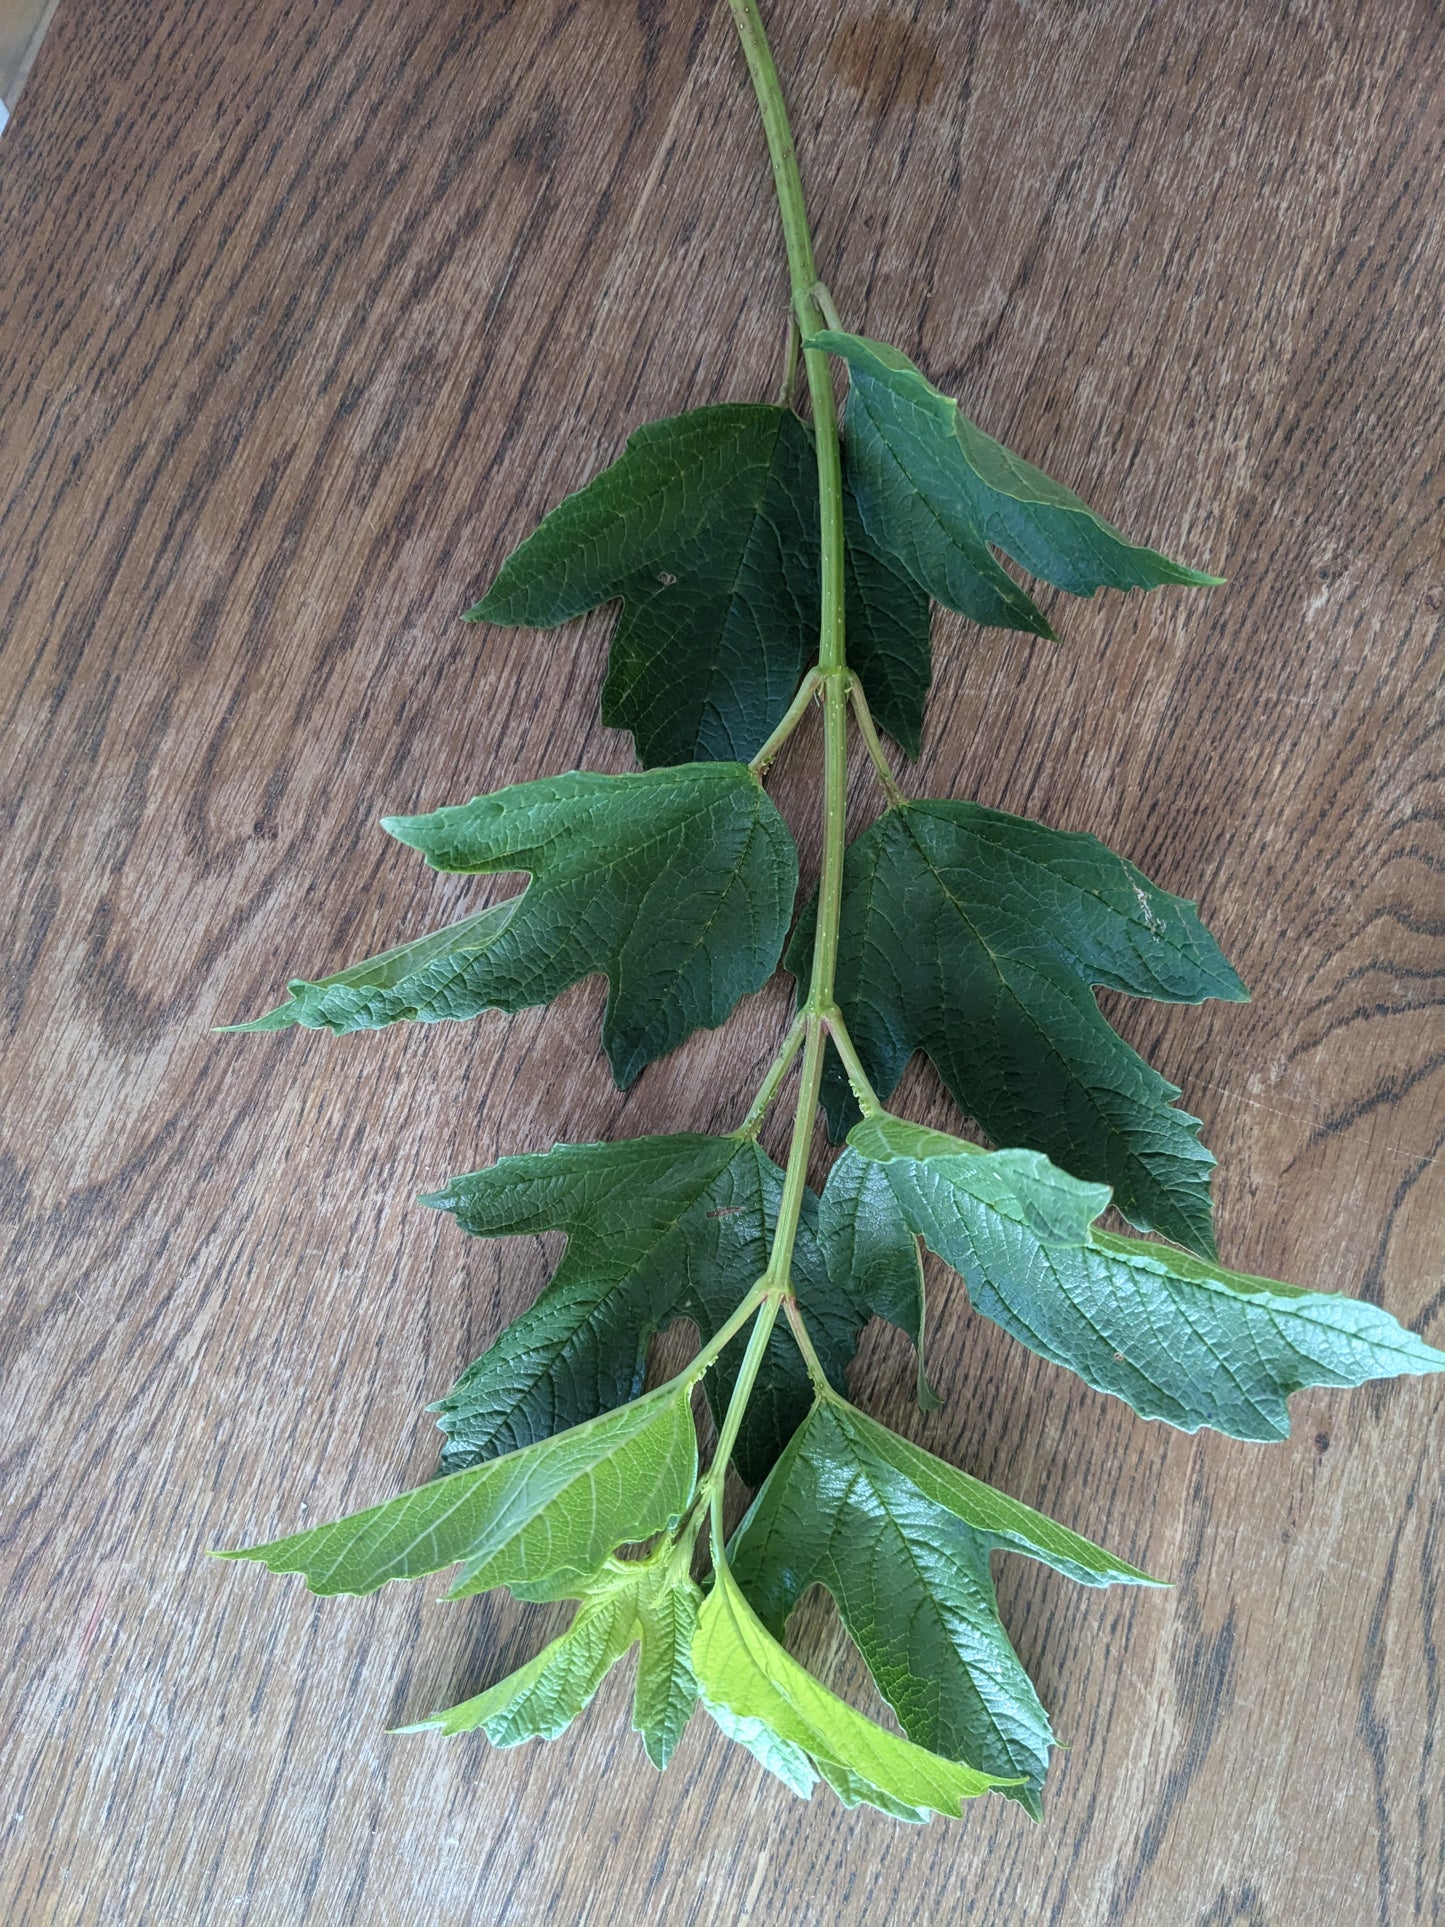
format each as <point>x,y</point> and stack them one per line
<point>678,884</point>
<point>758,1693</point>
<point>657,1228</point>
<point>541,1520</point>
<point>976,936</point>
<point>707,528</point>
<point>865,1239</point>
<point>902,1541</point>
<point>541,1699</point>
<point>666,1689</point>
<point>626,1603</point>
<point>940,495</point>
<point>887,618</point>
<point>1178,1338</point>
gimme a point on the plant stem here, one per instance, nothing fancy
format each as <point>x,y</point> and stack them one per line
<point>882,768</point>
<point>825,303</point>
<point>832,672</point>
<point>868,1100</point>
<point>742,1391</point>
<point>792,716</point>
<point>777,1071</point>
<point>721,1338</point>
<point>811,1359</point>
<point>795,1178</point>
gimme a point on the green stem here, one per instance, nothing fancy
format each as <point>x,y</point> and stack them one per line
<point>832,672</point>
<point>829,312</point>
<point>723,1337</point>
<point>811,1359</point>
<point>792,716</point>
<point>882,768</point>
<point>803,273</point>
<point>795,1178</point>
<point>868,1099</point>
<point>777,1071</point>
<point>716,1479</point>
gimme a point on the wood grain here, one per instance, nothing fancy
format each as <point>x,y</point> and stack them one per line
<point>306,314</point>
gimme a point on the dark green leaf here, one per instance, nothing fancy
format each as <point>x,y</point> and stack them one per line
<point>902,1541</point>
<point>678,884</point>
<point>865,1239</point>
<point>657,1228</point>
<point>541,1520</point>
<point>887,618</point>
<point>940,494</point>
<point>1178,1338</point>
<point>707,528</point>
<point>976,937</point>
<point>759,1694</point>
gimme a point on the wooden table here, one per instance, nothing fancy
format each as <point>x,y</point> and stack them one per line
<point>307,314</point>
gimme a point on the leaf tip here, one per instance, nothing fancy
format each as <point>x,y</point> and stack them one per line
<point>281,1018</point>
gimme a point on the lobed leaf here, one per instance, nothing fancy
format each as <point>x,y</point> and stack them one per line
<point>759,1694</point>
<point>940,495</point>
<point>677,884</point>
<point>706,527</point>
<point>1179,1338</point>
<point>864,1237</point>
<point>658,1228</point>
<point>977,937</point>
<point>542,1520</point>
<point>902,1541</point>
<point>647,1604</point>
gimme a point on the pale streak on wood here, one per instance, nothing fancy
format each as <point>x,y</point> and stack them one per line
<point>306,315</point>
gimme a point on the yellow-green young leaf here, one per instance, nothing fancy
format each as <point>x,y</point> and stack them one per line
<point>541,1521</point>
<point>902,1541</point>
<point>707,528</point>
<point>677,884</point>
<point>939,494</point>
<point>648,1604</point>
<point>794,1724</point>
<point>666,1690</point>
<point>978,937</point>
<point>1180,1338</point>
<point>658,1228</point>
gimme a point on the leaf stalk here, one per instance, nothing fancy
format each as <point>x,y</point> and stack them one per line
<point>877,755</point>
<point>792,716</point>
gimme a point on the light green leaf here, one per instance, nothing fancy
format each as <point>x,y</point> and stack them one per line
<point>627,1602</point>
<point>707,528</point>
<point>977,937</point>
<point>657,1228</point>
<point>788,1762</point>
<point>541,1520</point>
<point>666,1690</point>
<point>865,1239</point>
<point>541,1699</point>
<point>941,495</point>
<point>678,884</point>
<point>745,1675</point>
<point>1178,1337</point>
<point>902,1541</point>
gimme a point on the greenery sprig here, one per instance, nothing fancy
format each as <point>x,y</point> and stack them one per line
<point>767,567</point>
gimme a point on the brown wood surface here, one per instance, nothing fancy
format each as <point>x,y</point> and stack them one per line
<point>306,314</point>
